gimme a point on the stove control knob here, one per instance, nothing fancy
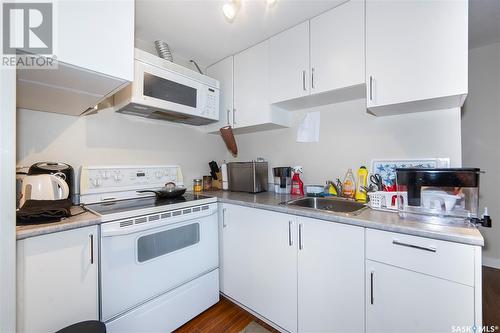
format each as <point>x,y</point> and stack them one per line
<point>105,174</point>
<point>118,177</point>
<point>96,182</point>
<point>158,174</point>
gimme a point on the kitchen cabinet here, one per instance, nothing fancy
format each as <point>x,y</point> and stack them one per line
<point>259,262</point>
<point>252,111</point>
<point>57,280</point>
<point>94,60</point>
<point>425,285</point>
<point>320,61</point>
<point>289,64</point>
<point>223,72</point>
<point>106,45</point>
<point>338,48</point>
<point>304,275</point>
<point>416,55</point>
<point>331,296</point>
<point>400,300</point>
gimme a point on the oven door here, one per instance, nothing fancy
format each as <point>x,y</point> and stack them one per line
<point>167,90</point>
<point>138,266</point>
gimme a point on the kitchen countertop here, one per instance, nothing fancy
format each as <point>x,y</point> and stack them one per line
<point>270,201</point>
<point>78,221</point>
<point>369,218</point>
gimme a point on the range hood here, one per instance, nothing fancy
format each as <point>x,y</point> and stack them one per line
<point>166,91</point>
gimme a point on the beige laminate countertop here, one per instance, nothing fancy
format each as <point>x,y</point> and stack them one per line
<point>368,218</point>
<point>77,221</point>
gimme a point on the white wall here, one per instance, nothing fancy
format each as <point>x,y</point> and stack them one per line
<point>481,137</point>
<point>350,137</point>
<point>7,199</point>
<point>109,138</point>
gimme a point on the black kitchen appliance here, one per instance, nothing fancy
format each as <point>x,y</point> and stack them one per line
<point>64,170</point>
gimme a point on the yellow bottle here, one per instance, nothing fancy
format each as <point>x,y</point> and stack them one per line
<point>362,182</point>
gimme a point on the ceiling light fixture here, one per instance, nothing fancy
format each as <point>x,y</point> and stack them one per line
<point>271,3</point>
<point>230,9</point>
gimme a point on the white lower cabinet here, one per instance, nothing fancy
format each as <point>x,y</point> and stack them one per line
<point>399,300</point>
<point>258,264</point>
<point>302,274</point>
<point>57,281</point>
<point>331,295</point>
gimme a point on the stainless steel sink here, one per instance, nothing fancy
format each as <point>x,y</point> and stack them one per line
<point>337,205</point>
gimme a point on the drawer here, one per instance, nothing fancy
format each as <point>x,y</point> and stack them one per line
<point>447,260</point>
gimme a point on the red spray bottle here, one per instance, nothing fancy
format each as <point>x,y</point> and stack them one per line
<point>297,184</point>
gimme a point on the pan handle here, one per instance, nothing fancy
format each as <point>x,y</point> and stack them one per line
<point>148,191</point>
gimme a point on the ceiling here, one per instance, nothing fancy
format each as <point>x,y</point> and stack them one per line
<point>197,29</point>
<point>484,22</point>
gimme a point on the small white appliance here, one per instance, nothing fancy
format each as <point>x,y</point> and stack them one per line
<point>158,257</point>
<point>43,187</point>
<point>164,90</point>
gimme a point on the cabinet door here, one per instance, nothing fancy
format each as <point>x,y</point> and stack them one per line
<point>97,35</point>
<point>415,50</point>
<point>399,300</point>
<point>259,263</point>
<point>289,64</point>
<point>338,48</point>
<point>223,71</point>
<point>251,101</point>
<point>57,280</point>
<point>330,277</point>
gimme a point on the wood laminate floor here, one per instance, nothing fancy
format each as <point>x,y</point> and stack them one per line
<point>223,317</point>
<point>491,296</point>
<point>227,317</point>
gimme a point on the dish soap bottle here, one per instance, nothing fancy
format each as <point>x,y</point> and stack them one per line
<point>349,185</point>
<point>360,189</point>
<point>297,184</point>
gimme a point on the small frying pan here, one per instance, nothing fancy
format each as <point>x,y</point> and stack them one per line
<point>170,191</point>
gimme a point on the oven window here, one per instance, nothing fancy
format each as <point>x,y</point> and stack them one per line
<point>169,91</point>
<point>163,242</point>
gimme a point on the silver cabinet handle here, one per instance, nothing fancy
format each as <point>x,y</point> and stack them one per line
<point>423,248</point>
<point>301,245</point>
<point>228,123</point>
<point>304,80</point>
<point>91,236</point>
<point>234,118</point>
<point>290,240</point>
<point>224,218</point>
<point>371,88</point>
<point>312,77</point>
<point>372,299</point>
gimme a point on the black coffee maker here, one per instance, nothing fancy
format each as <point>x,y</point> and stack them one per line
<point>65,171</point>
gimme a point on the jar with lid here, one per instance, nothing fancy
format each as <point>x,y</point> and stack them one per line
<point>207,183</point>
<point>197,185</point>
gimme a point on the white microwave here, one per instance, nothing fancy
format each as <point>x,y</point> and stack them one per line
<point>166,91</point>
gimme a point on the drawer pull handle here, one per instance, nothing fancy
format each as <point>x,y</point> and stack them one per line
<point>424,248</point>
<point>372,298</point>
<point>290,240</point>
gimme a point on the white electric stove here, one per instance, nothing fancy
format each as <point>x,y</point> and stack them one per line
<point>158,258</point>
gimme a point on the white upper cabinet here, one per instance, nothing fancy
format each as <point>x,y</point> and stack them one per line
<point>338,48</point>
<point>320,61</point>
<point>94,46</point>
<point>252,111</point>
<point>97,35</point>
<point>289,64</point>
<point>223,72</point>
<point>416,55</point>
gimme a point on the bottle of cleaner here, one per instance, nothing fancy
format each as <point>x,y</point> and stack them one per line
<point>362,182</point>
<point>349,185</point>
<point>297,184</point>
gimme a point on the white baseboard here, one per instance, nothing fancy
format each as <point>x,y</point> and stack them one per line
<point>491,262</point>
